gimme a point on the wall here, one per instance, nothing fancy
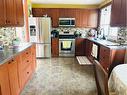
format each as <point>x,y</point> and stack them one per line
<point>7,35</point>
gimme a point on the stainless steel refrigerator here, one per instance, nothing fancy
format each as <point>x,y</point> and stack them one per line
<point>40,33</point>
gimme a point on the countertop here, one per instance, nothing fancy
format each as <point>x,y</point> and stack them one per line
<point>7,54</point>
<point>106,43</point>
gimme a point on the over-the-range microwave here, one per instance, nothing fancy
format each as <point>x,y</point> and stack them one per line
<point>66,22</point>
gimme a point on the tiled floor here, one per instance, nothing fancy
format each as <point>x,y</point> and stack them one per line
<point>61,76</point>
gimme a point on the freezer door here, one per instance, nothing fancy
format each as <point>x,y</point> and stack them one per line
<point>45,30</point>
<point>43,50</point>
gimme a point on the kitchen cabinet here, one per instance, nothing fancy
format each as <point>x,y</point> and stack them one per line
<point>92,18</point>
<point>84,17</point>
<point>19,13</point>
<point>105,56</point>
<point>12,13</point>
<point>13,76</point>
<point>4,80</point>
<point>88,50</point>
<point>2,13</point>
<point>55,47</point>
<point>119,13</point>
<point>16,72</point>
<point>79,47</point>
<point>25,66</point>
<point>108,57</point>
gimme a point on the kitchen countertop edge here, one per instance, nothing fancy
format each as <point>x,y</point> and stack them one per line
<point>20,49</point>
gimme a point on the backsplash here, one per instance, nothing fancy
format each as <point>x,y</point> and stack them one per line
<point>7,35</point>
<point>122,35</point>
<point>81,30</point>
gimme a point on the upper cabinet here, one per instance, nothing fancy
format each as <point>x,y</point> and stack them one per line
<point>11,13</point>
<point>83,17</point>
<point>92,18</point>
<point>119,13</point>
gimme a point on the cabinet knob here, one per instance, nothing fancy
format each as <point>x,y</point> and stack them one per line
<point>9,62</point>
<point>27,72</point>
<point>17,22</point>
<point>12,60</point>
<point>27,53</point>
<point>27,60</point>
<point>8,21</point>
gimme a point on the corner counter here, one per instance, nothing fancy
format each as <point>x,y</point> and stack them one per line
<point>16,68</point>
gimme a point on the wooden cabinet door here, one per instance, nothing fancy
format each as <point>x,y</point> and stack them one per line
<point>119,13</point>
<point>10,13</point>
<point>80,47</point>
<point>92,18</point>
<point>104,57</point>
<point>55,47</point>
<point>4,80</point>
<point>88,50</point>
<point>2,13</point>
<point>19,12</point>
<point>13,77</point>
<point>54,14</point>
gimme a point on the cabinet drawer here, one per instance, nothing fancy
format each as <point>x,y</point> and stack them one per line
<point>26,54</point>
<point>25,63</point>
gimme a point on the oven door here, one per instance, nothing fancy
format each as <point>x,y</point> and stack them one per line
<point>66,47</point>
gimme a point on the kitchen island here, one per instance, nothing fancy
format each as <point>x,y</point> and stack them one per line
<point>16,67</point>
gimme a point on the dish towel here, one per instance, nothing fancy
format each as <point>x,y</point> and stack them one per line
<point>66,44</point>
<point>94,50</point>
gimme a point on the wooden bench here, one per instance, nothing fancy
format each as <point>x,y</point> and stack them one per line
<point>83,60</point>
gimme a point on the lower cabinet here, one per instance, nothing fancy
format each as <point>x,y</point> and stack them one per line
<point>104,57</point>
<point>111,57</point>
<point>4,80</point>
<point>13,76</point>
<point>15,73</point>
<point>88,50</point>
<point>55,47</point>
<point>26,65</point>
<point>79,47</point>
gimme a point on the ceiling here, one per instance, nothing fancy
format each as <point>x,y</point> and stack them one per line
<point>82,2</point>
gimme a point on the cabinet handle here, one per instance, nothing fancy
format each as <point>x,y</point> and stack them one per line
<point>9,62</point>
<point>27,53</point>
<point>8,21</point>
<point>12,60</point>
<point>17,22</point>
<point>107,68</point>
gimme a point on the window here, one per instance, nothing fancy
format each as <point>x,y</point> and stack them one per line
<point>109,32</point>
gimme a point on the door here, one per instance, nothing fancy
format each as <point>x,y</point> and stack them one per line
<point>45,30</point>
<point>13,77</point>
<point>10,12</point>
<point>4,80</point>
<point>19,12</point>
<point>2,13</point>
